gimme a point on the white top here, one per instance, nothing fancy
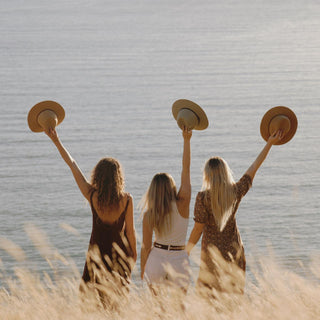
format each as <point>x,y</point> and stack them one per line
<point>178,232</point>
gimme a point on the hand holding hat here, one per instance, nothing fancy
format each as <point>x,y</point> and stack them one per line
<point>45,115</point>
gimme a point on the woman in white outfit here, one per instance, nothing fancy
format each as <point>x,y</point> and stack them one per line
<point>166,213</point>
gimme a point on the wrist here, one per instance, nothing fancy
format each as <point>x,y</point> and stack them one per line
<point>270,141</point>
<point>56,140</point>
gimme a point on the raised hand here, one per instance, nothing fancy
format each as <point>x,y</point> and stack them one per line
<point>186,133</point>
<point>276,136</point>
<point>52,134</point>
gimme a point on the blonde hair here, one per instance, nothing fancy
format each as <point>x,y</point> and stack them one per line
<point>219,183</point>
<point>157,202</point>
<point>107,179</point>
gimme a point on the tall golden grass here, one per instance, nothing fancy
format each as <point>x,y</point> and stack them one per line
<point>276,293</point>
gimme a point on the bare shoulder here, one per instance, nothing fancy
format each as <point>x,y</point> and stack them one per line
<point>127,198</point>
<point>126,203</point>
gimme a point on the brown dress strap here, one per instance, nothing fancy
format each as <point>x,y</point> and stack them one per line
<point>91,195</point>
<point>128,199</point>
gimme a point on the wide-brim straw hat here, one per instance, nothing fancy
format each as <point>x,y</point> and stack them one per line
<point>189,114</point>
<point>279,118</point>
<point>45,115</point>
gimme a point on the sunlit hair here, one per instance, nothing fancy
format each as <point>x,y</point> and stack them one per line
<point>107,179</point>
<point>219,183</point>
<point>157,202</point>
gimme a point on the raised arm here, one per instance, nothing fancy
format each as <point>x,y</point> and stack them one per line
<point>81,180</point>
<point>146,244</point>
<point>276,136</point>
<point>184,194</point>
<point>130,230</point>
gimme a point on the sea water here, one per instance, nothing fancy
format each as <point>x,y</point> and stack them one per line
<point>116,67</point>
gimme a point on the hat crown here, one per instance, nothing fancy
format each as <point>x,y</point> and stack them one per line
<point>47,119</point>
<point>187,118</point>
<point>279,122</point>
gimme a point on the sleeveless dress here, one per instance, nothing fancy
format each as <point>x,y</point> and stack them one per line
<point>109,252</point>
<point>220,247</point>
<point>165,265</point>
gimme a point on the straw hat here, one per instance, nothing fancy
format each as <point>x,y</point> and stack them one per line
<point>189,114</point>
<point>279,118</point>
<point>45,115</point>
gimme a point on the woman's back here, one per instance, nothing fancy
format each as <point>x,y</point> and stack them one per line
<point>176,234</point>
<point>109,215</point>
<point>166,214</point>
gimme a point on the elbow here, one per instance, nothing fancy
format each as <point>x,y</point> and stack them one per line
<point>196,233</point>
<point>72,164</point>
<point>134,255</point>
<point>251,172</point>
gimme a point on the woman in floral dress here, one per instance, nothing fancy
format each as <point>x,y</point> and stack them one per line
<point>223,261</point>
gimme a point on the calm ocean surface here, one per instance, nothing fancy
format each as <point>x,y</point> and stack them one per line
<point>117,67</point>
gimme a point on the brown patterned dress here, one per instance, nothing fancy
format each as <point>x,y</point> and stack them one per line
<point>218,248</point>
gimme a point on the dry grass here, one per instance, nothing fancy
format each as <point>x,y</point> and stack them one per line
<point>277,293</point>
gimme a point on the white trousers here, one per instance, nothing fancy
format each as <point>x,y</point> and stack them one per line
<point>173,266</point>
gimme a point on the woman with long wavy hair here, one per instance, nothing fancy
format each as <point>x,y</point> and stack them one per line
<point>223,261</point>
<point>112,249</point>
<point>166,213</point>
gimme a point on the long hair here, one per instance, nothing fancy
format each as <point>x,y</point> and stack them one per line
<point>107,179</point>
<point>157,202</point>
<point>219,183</point>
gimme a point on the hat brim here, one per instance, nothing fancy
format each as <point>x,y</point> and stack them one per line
<point>187,104</point>
<point>276,111</point>
<point>38,108</point>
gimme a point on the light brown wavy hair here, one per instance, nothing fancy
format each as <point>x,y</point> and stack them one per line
<point>219,183</point>
<point>157,202</point>
<point>107,179</point>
